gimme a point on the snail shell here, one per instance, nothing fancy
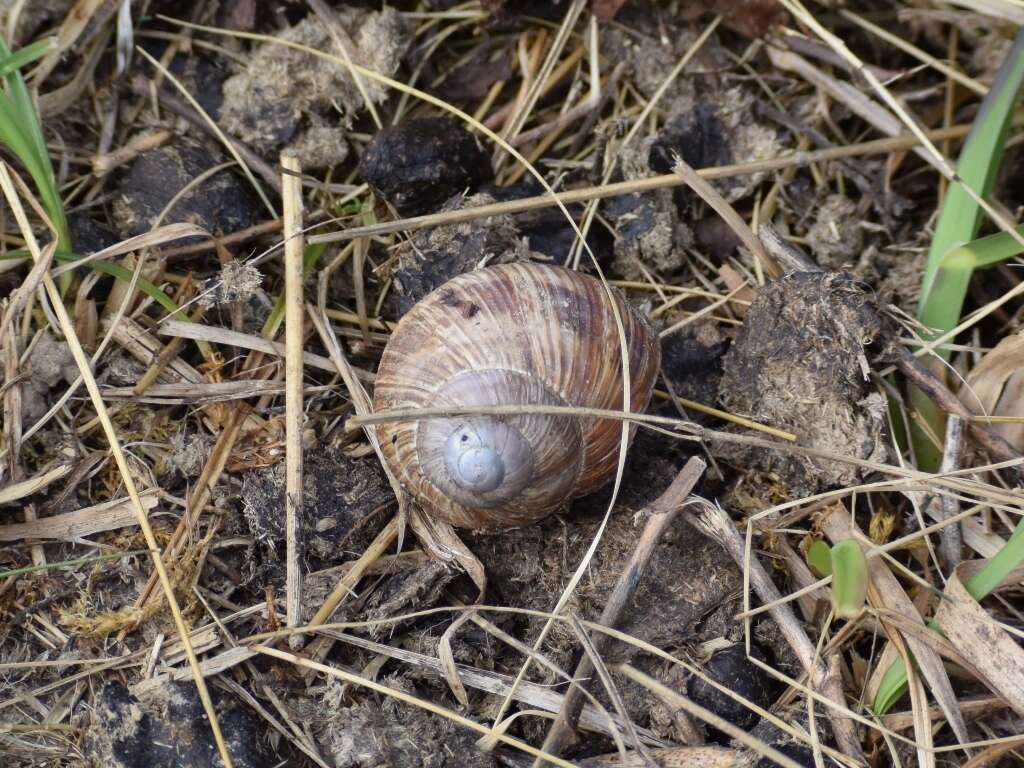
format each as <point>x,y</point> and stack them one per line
<point>510,334</point>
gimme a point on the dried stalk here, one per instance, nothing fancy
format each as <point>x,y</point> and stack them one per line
<point>878,146</point>
<point>291,184</point>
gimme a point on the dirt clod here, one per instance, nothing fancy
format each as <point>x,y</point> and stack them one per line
<point>340,495</point>
<point>385,733</point>
<point>169,730</point>
<point>836,238</point>
<point>289,99</point>
<point>436,255</point>
<point>691,359</point>
<point>237,281</point>
<point>799,364</point>
<point>417,165</point>
<point>220,203</point>
<point>731,668</point>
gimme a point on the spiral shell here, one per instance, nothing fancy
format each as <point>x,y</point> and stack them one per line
<point>511,334</point>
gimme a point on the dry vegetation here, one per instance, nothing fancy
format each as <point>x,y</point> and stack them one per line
<point>201,554</point>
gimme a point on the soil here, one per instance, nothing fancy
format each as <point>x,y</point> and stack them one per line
<point>223,203</point>
<point>91,667</point>
<point>419,164</point>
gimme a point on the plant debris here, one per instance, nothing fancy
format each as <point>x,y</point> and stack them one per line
<point>342,625</point>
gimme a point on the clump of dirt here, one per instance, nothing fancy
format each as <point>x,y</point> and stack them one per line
<point>49,362</point>
<point>289,99</point>
<point>30,17</point>
<point>88,235</point>
<point>419,164</point>
<point>435,255</point>
<point>836,237</point>
<point>188,453</point>
<point>340,497</point>
<point>407,592</point>
<point>371,734</point>
<point>719,129</point>
<point>688,593</point>
<point>166,728</point>
<point>649,231</point>
<point>799,364</point>
<point>732,669</point>
<point>773,736</point>
<point>220,203</point>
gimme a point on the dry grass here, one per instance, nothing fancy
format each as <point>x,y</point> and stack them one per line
<point>870,98</point>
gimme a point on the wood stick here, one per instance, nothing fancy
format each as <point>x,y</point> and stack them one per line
<point>291,184</point>
<point>662,513</point>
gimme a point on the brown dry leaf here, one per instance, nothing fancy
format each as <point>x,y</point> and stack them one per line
<point>996,388</point>
<point>994,655</point>
<point>752,18</point>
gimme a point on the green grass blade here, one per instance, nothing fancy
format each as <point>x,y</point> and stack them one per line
<point>944,285</point>
<point>310,256</point>
<point>25,56</point>
<point>23,134</point>
<point>68,563</point>
<point>849,579</point>
<point>978,164</point>
<point>819,557</point>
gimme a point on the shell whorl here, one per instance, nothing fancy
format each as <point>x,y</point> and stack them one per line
<point>510,334</point>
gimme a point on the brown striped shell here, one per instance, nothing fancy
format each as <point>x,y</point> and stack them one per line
<point>511,334</point>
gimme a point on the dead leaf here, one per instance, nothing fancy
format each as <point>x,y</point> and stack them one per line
<point>752,18</point>
<point>995,656</point>
<point>995,387</point>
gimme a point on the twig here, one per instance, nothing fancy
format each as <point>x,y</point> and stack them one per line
<point>216,335</point>
<point>714,199</point>
<point>256,230</point>
<point>878,146</point>
<point>295,314</point>
<point>572,115</point>
<point>662,514</point>
<point>143,142</point>
<point>716,524</point>
<point>951,538</point>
